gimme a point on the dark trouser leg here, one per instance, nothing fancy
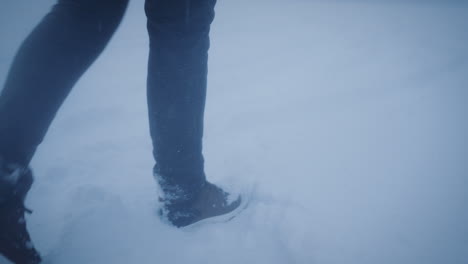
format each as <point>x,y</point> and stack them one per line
<point>177,79</point>
<point>46,67</point>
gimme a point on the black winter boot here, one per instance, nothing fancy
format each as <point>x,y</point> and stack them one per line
<point>15,242</point>
<point>210,202</point>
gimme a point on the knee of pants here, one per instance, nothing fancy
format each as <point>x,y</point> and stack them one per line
<point>179,16</point>
<point>104,15</point>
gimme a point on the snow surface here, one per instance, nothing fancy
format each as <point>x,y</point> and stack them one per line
<point>349,115</point>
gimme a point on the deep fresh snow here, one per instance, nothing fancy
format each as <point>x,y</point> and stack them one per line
<point>350,116</point>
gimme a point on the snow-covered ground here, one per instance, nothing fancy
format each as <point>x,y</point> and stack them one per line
<point>351,117</point>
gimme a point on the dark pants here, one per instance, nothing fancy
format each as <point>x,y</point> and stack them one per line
<point>66,43</point>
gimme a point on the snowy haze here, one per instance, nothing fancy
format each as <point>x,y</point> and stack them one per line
<point>350,116</point>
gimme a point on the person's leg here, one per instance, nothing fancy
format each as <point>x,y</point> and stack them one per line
<point>46,67</point>
<point>177,80</point>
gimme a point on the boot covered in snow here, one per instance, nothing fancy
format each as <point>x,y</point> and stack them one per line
<point>210,202</point>
<point>15,242</point>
